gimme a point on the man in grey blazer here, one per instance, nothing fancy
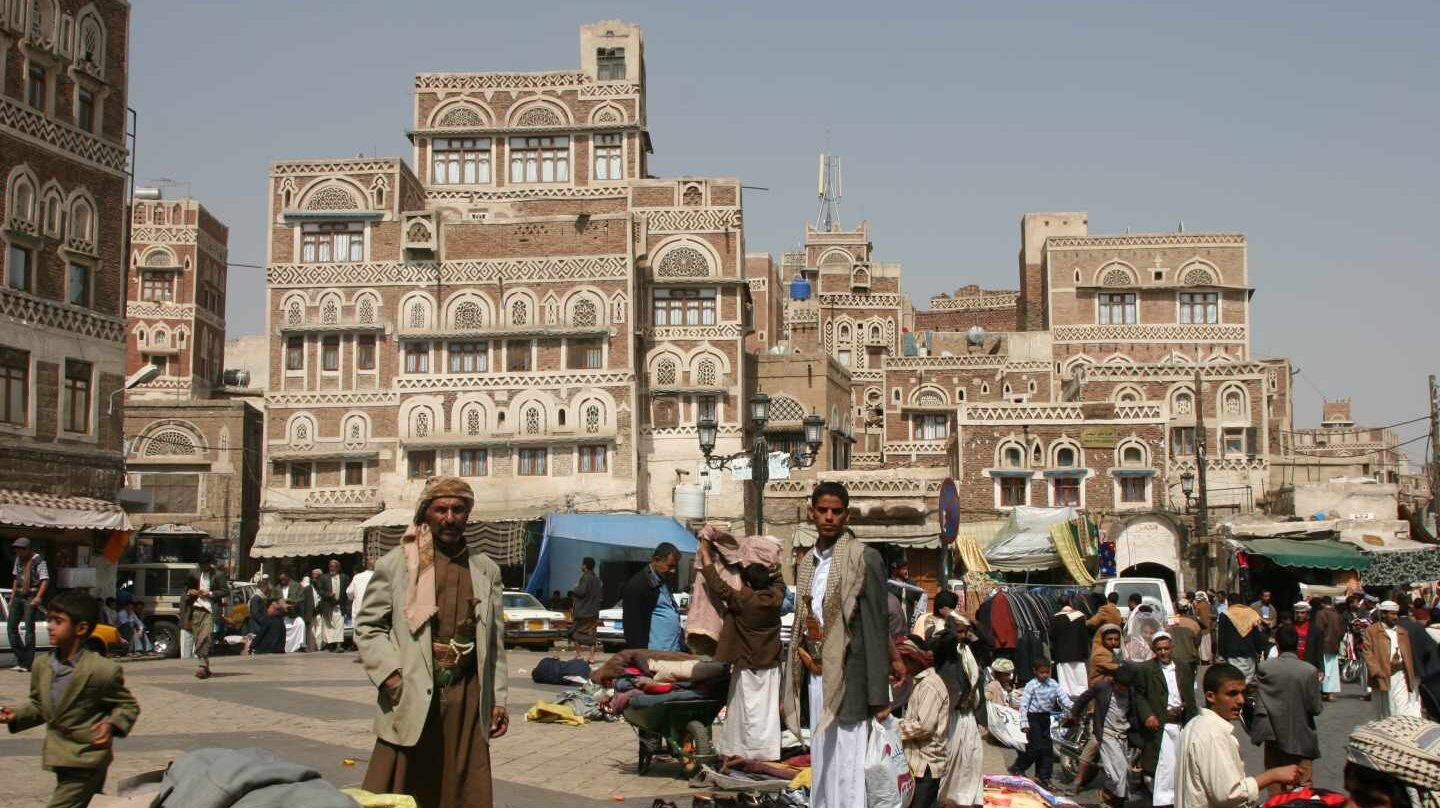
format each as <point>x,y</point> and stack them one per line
<point>431,636</point>
<point>1287,701</point>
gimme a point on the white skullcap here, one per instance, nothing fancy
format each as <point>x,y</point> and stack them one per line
<point>1302,606</point>
<point>1389,606</point>
<point>1160,635</point>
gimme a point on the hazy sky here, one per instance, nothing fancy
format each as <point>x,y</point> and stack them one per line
<point>1312,127</point>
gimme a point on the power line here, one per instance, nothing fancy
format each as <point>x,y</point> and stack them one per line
<point>1359,428</point>
<point>1360,454</point>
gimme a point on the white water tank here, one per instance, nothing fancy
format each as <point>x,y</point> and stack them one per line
<point>689,502</point>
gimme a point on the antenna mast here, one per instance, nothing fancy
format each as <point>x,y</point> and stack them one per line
<point>829,190</point>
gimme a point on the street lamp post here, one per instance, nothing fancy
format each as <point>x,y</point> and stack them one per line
<point>759,451</point>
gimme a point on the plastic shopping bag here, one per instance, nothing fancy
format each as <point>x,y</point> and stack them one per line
<point>888,782</point>
<point>1005,725</point>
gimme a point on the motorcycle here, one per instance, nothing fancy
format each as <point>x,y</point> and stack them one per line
<point>1352,659</point>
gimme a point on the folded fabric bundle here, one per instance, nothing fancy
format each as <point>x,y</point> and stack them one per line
<point>687,670</point>
<point>678,694</point>
<point>546,713</point>
<point>632,658</point>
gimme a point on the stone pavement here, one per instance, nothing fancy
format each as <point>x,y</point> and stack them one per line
<point>316,709</point>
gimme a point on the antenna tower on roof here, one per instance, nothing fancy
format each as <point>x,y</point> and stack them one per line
<point>829,189</point>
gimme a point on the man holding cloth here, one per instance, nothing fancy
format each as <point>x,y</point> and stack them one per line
<point>1287,701</point>
<point>1390,664</point>
<point>841,660</point>
<point>650,614</point>
<point>1164,701</point>
<point>750,644</point>
<point>431,634</point>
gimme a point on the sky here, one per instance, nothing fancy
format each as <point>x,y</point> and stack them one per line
<point>1311,127</point>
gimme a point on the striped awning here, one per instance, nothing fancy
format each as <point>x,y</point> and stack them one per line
<point>28,509</point>
<point>298,538</point>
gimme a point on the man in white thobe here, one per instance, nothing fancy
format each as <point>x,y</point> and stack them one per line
<point>1390,664</point>
<point>1208,771</point>
<point>330,607</point>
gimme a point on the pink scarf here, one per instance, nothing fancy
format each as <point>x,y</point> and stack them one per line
<point>419,548</point>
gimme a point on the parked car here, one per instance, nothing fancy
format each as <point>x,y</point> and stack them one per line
<point>528,622</point>
<point>105,638</point>
<point>611,631</point>
<point>42,628</point>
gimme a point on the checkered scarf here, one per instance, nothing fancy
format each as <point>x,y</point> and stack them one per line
<point>1405,748</point>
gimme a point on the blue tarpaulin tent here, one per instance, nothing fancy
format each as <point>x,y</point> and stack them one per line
<point>570,537</point>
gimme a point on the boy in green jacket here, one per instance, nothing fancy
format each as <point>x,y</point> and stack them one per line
<point>81,698</point>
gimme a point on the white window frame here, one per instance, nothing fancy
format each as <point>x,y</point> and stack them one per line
<point>482,149</point>
<point>1051,487</point>
<point>614,145</point>
<point>1129,304</point>
<point>543,148</point>
<point>999,481</point>
<point>319,230</point>
<point>1187,302</point>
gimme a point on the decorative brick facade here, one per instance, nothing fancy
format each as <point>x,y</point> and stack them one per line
<point>63,159</point>
<point>527,308</point>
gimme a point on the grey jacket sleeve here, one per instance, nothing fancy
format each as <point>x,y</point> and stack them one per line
<point>372,628</point>
<point>873,622</point>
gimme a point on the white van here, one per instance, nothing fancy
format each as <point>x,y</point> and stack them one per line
<point>1151,590</point>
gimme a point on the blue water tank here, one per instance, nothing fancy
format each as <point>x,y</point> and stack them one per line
<point>799,288</point>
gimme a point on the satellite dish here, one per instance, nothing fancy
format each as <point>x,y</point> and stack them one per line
<point>976,335</point>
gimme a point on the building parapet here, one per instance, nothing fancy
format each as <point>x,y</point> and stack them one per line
<point>1150,333</point>
<point>1145,240</point>
<point>1057,413</point>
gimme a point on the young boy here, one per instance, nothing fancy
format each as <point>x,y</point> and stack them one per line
<point>81,698</point>
<point>1115,727</point>
<point>1209,773</point>
<point>1042,699</point>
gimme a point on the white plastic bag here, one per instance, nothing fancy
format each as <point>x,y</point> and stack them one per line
<point>1005,725</point>
<point>888,782</point>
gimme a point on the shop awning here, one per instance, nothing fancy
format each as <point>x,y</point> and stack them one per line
<point>630,537</point>
<point>1323,554</point>
<point>292,539</point>
<point>25,509</point>
<point>502,540</point>
<point>170,529</point>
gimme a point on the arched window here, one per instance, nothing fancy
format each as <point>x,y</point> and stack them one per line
<point>592,418</point>
<point>552,312</point>
<point>472,422</point>
<point>560,417</point>
<point>294,313</point>
<point>162,338</point>
<point>665,371</point>
<point>1012,457</point>
<point>585,314</point>
<point>421,423</point>
<point>330,311</point>
<point>169,443</point>
<point>519,313</point>
<point>1132,454</point>
<point>617,306</point>
<point>1065,457</point>
<point>365,312</point>
<point>683,262</point>
<point>355,431</point>
<point>1234,403</point>
<point>24,196</point>
<point>82,221</point>
<point>468,316</point>
<point>1184,403</point>
<point>876,333</point>
<point>843,334</point>
<point>705,375</point>
<point>90,46</point>
<point>419,316</point>
<point>532,421</point>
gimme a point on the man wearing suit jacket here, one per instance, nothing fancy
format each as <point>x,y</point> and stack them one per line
<point>80,697</point>
<point>1287,700</point>
<point>207,600</point>
<point>431,635</point>
<point>1164,701</point>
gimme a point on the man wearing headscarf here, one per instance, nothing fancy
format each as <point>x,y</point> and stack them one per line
<point>1390,664</point>
<point>1205,616</point>
<point>964,781</point>
<point>431,635</point>
<point>1185,635</point>
<point>924,730</point>
<point>1394,762</point>
<point>1105,653</point>
<point>1241,639</point>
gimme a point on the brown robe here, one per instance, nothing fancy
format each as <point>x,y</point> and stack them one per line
<point>450,766</point>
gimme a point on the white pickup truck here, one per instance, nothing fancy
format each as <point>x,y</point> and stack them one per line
<point>1153,591</point>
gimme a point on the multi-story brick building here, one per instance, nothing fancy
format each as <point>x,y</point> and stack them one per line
<point>530,310</point>
<point>1339,448</point>
<point>193,464</point>
<point>63,157</point>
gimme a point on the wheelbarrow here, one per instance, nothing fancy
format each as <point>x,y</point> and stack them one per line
<point>679,730</point>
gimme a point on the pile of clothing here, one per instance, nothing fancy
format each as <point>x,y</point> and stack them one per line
<point>644,678</point>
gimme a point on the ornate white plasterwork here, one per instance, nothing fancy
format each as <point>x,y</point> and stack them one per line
<point>758,284</point>
<point>801,314</point>
<point>674,332</point>
<point>347,398</point>
<point>163,234</point>
<point>1147,240</point>
<point>884,300</point>
<point>395,273</point>
<point>34,311</point>
<point>33,126</point>
<point>918,447</point>
<point>692,220</point>
<point>1005,413</point>
<point>438,196</point>
<point>517,381</point>
<point>1168,372</point>
<point>359,165</point>
<point>984,302</point>
<point>944,362</point>
<point>1150,333</point>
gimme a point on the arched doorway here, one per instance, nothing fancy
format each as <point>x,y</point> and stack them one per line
<point>1151,542</point>
<point>1148,569</point>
